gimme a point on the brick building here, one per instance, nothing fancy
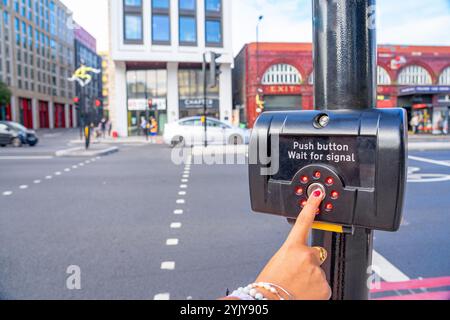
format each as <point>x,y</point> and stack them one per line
<point>416,78</point>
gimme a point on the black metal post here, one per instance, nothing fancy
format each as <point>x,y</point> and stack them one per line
<point>205,109</point>
<point>345,78</point>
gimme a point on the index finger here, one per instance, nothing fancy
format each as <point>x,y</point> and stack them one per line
<point>300,232</point>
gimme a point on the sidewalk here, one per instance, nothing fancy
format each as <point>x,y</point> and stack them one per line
<point>428,143</point>
<point>123,140</point>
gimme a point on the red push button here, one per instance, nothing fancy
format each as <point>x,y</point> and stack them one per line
<point>329,181</point>
<point>334,195</point>
<point>304,179</point>
<point>303,203</point>
<point>317,175</point>
<point>299,191</point>
<point>329,207</point>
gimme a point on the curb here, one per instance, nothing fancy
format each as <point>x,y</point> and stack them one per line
<point>81,152</point>
<point>429,146</point>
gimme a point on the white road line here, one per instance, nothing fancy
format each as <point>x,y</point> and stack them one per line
<point>162,297</point>
<point>183,186</point>
<point>387,270</point>
<point>74,167</point>
<point>87,162</point>
<point>67,170</point>
<point>176,225</point>
<point>98,158</point>
<point>181,201</point>
<point>48,177</point>
<point>172,242</point>
<point>81,164</point>
<point>23,187</point>
<point>184,180</point>
<point>7,193</point>
<point>178,212</point>
<point>26,157</point>
<point>37,181</point>
<point>440,163</point>
<point>182,193</point>
<point>168,265</point>
<point>58,173</point>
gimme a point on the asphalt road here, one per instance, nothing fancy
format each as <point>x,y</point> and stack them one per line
<point>139,227</point>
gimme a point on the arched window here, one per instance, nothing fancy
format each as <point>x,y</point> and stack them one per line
<point>383,77</point>
<point>311,78</point>
<point>282,74</point>
<point>414,75</point>
<point>444,79</point>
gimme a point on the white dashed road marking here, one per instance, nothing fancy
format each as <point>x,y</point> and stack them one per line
<point>37,181</point>
<point>48,177</point>
<point>176,225</point>
<point>23,187</point>
<point>183,186</point>
<point>57,173</point>
<point>181,201</point>
<point>172,242</point>
<point>67,170</point>
<point>7,193</point>
<point>162,297</point>
<point>185,181</point>
<point>178,212</point>
<point>168,265</point>
<point>182,193</point>
<point>387,270</point>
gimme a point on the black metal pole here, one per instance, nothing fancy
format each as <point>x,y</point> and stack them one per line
<point>345,78</point>
<point>205,84</point>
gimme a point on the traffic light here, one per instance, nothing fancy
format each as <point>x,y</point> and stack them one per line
<point>98,103</point>
<point>214,69</point>
<point>76,102</point>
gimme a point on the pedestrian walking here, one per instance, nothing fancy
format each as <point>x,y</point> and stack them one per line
<point>415,121</point>
<point>103,128</point>
<point>109,127</point>
<point>153,129</point>
<point>144,127</point>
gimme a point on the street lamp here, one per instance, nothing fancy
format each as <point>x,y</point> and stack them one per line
<point>260,18</point>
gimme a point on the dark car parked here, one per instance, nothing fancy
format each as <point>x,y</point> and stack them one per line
<point>16,134</point>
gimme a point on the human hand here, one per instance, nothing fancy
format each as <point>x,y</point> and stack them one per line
<point>296,266</point>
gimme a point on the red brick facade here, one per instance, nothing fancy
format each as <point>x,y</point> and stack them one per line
<point>255,59</point>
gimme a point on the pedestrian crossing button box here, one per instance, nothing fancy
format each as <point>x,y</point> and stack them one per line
<point>357,157</point>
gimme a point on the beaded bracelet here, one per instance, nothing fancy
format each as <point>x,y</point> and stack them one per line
<point>251,292</point>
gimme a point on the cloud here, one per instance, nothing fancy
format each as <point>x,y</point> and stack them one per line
<point>399,22</point>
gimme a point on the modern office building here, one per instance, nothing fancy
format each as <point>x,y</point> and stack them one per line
<point>416,78</point>
<point>37,57</point>
<point>157,48</point>
<point>85,46</point>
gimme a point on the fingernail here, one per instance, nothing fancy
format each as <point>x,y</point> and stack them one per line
<point>317,194</point>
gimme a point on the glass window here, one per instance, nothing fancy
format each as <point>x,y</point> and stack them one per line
<point>133,21</point>
<point>161,28</point>
<point>133,27</point>
<point>133,3</point>
<point>213,5</point>
<point>188,30</point>
<point>213,32</point>
<point>160,4</point>
<point>189,5</point>
<point>213,23</point>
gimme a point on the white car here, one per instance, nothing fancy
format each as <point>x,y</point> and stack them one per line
<point>191,132</point>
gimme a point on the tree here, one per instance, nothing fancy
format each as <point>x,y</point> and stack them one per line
<point>5,94</point>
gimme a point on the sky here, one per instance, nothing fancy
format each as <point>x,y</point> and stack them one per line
<point>414,22</point>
